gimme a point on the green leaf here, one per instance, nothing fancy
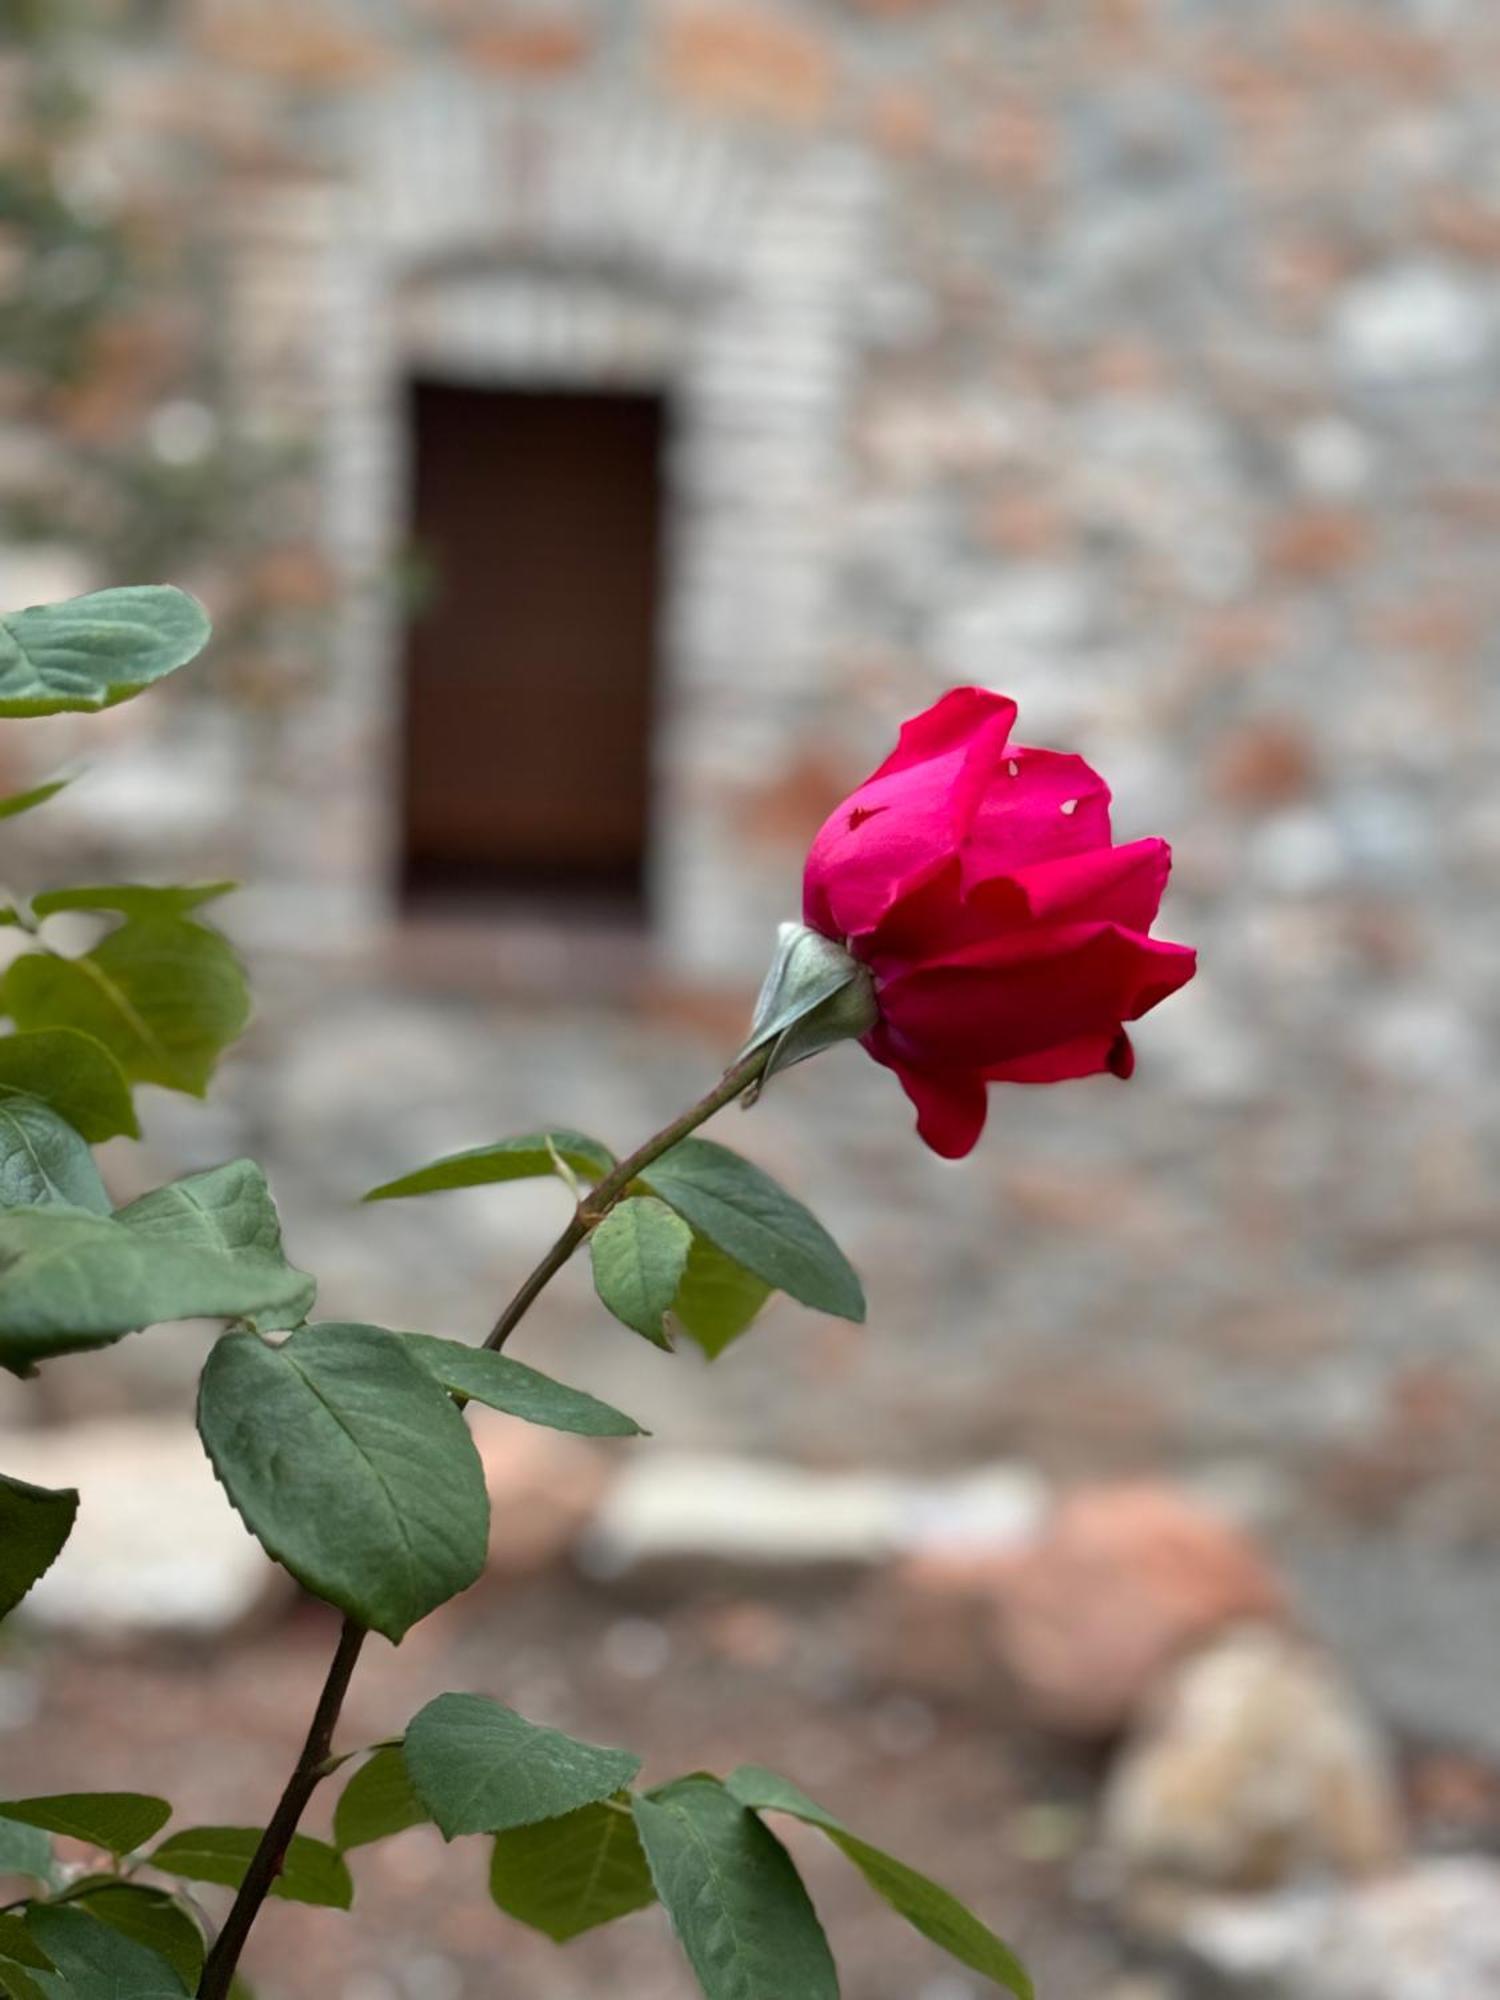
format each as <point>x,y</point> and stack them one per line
<point>506,1160</point>
<point>736,1902</point>
<point>19,1985</point>
<point>35,1522</point>
<point>225,1212</point>
<point>207,1247</point>
<point>19,1946</point>
<point>352,1467</point>
<point>95,651</point>
<point>503,1384</point>
<point>44,1163</point>
<point>717,1299</point>
<point>165,995</point>
<point>97,1961</point>
<point>132,899</point>
<point>478,1767</point>
<point>153,1918</point>
<point>313,1872</point>
<point>22,802</point>
<point>116,1821</point>
<point>927,1907</point>
<point>377,1801</point>
<point>568,1875</point>
<point>639,1252</point>
<point>26,1850</point>
<point>758,1224</point>
<point>73,1073</point>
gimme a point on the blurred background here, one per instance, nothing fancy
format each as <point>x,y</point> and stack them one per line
<point>594,427</point>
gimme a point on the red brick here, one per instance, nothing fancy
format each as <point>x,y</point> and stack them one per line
<point>749,61</point>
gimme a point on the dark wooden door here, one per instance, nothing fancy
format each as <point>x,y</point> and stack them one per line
<point>531,656</point>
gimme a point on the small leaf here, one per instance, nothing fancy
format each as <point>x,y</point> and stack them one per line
<point>568,1875</point>
<point>19,1946</point>
<point>351,1466</point>
<point>502,1384</point>
<point>520,1159</point>
<point>18,1985</point>
<point>98,1962</point>
<point>119,1822</point>
<point>717,1299</point>
<point>927,1907</point>
<point>736,1902</point>
<point>165,994</point>
<point>377,1801</point>
<point>225,1212</point>
<point>44,1163</point>
<point>758,1224</point>
<point>639,1252</point>
<point>35,1522</point>
<point>26,1850</point>
<point>153,1918</point>
<point>73,1073</point>
<point>313,1872</point>
<point>207,1247</point>
<point>22,802</point>
<point>479,1767</point>
<point>132,899</point>
<point>95,651</point>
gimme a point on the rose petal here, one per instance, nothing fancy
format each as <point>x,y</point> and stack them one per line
<point>910,816</point>
<point>1043,804</point>
<point>1028,992</point>
<point>1092,1055</point>
<point>951,1105</point>
<point>935,919</point>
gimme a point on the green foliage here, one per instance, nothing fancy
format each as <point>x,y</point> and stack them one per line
<point>718,1299</point>
<point>75,1074</point>
<point>95,651</point>
<point>23,802</point>
<point>639,1252</point>
<point>208,1246</point>
<point>478,1767</point>
<point>736,1902</point>
<point>520,1159</point>
<point>119,1822</point>
<point>313,1871</point>
<point>163,993</point>
<point>44,1163</point>
<point>98,1961</point>
<point>377,1801</point>
<point>35,1522</point>
<point>352,1467</point>
<point>26,1850</point>
<point>759,1225</point>
<point>132,899</point>
<point>19,1946</point>
<point>568,1875</point>
<point>478,1375</point>
<point>152,1917</point>
<point>930,1909</point>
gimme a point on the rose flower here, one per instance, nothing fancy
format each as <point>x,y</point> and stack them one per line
<point>1007,936</point>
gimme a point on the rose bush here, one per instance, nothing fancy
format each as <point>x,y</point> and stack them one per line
<point>1008,937</point>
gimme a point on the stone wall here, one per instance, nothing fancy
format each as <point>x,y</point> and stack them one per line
<point>1138,357</point>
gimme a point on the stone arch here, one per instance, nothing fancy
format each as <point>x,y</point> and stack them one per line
<point>588,238</point>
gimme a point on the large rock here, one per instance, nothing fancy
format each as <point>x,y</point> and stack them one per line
<point>156,1546</point>
<point>1122,1581</point>
<point>1431,1932</point>
<point>1257,1768</point>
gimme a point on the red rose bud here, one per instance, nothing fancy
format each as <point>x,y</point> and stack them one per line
<point>1008,937</point>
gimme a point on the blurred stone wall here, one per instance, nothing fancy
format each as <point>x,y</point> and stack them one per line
<point>1138,357</point>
